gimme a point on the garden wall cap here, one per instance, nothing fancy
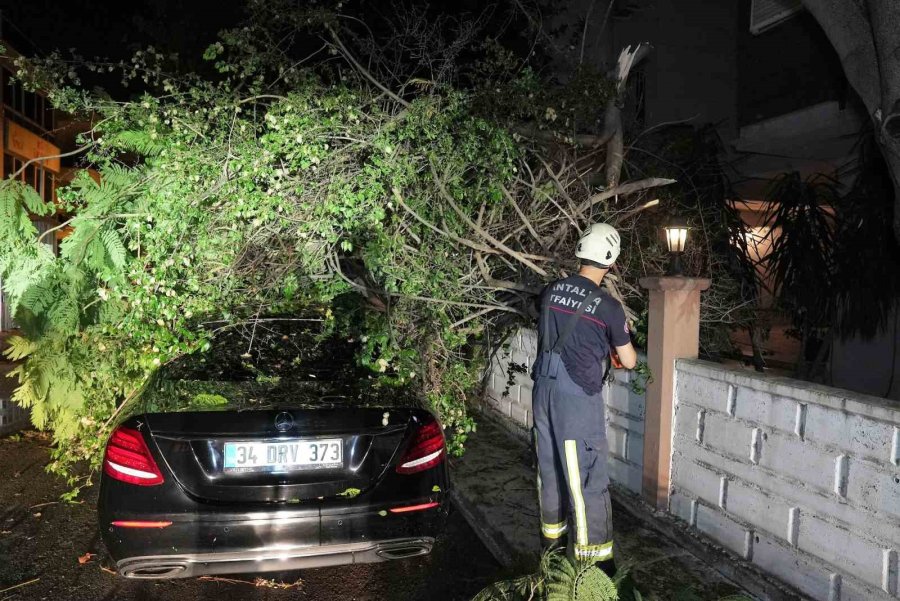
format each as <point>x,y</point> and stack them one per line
<point>669,282</point>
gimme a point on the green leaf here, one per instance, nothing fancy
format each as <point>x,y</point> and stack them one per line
<point>19,348</point>
<point>33,201</point>
<point>114,248</point>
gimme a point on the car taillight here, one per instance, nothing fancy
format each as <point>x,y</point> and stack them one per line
<point>425,451</point>
<point>128,459</point>
<point>419,507</point>
<point>140,524</point>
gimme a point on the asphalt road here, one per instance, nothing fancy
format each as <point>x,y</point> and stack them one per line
<point>42,540</point>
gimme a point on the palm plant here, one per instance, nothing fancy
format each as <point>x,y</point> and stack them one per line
<point>799,266</point>
<point>834,262</point>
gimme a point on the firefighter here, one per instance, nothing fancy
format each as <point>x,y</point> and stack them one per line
<point>580,325</point>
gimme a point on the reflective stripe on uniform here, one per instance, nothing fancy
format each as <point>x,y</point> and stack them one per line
<point>553,530</point>
<point>595,552</point>
<point>539,483</point>
<point>581,531</point>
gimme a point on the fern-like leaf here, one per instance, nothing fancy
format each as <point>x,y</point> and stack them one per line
<point>559,576</point>
<point>75,246</point>
<point>37,298</point>
<point>33,201</point>
<point>137,141</point>
<point>115,249</point>
<point>38,411</point>
<point>592,584</point>
<point>19,348</point>
<point>64,316</point>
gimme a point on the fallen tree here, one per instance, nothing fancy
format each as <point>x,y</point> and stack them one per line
<point>277,188</point>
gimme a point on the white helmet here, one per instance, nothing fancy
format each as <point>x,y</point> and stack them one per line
<point>600,244</point>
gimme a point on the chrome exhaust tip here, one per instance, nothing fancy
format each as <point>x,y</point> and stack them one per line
<point>403,551</point>
<point>151,571</point>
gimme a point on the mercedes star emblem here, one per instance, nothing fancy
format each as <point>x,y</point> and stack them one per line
<point>284,421</point>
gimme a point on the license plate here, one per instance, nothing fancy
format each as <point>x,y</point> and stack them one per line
<point>283,455</point>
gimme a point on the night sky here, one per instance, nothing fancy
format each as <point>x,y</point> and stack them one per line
<point>115,29</point>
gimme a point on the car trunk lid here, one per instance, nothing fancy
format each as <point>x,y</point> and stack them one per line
<point>193,445</point>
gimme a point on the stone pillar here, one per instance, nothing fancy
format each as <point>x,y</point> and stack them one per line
<point>673,333</point>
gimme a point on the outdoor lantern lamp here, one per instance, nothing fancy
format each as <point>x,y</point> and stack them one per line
<point>676,239</point>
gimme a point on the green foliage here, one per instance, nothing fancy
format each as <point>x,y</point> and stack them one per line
<point>514,96</point>
<point>203,401</point>
<point>641,378</point>
<point>216,205</point>
<point>557,579</point>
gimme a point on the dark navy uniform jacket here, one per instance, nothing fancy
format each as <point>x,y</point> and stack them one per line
<point>601,327</point>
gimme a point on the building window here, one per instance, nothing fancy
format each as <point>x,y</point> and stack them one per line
<point>28,176</point>
<point>42,180</point>
<point>48,189</point>
<point>30,105</point>
<point>49,116</point>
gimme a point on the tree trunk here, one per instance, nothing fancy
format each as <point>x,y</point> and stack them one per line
<point>615,147</point>
<point>759,364</point>
<point>612,122</point>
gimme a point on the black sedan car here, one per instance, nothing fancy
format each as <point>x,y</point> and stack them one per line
<point>214,477</point>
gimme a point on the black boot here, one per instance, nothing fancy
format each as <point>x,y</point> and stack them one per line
<point>608,566</point>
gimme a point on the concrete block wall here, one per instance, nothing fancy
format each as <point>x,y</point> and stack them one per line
<point>508,395</point>
<point>12,417</point>
<point>802,480</point>
<point>509,385</point>
<point>625,411</point>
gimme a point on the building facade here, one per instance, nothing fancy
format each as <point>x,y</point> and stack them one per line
<point>766,76</point>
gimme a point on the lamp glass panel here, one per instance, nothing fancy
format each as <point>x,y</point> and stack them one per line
<point>676,238</point>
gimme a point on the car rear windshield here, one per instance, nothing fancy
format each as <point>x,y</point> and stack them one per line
<point>273,363</point>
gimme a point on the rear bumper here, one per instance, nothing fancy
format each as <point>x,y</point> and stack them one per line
<point>301,531</point>
<point>213,542</point>
<point>271,559</point>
